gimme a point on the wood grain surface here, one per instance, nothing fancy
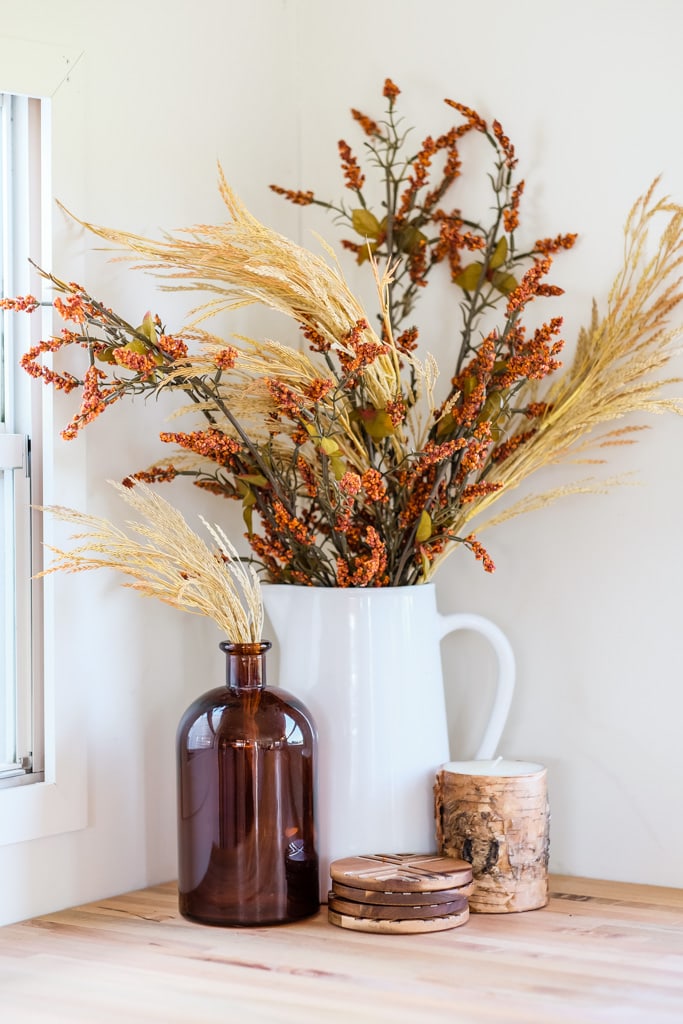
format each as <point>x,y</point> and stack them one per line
<point>401,927</point>
<point>385,912</point>
<point>401,872</point>
<point>598,952</point>
<point>400,899</point>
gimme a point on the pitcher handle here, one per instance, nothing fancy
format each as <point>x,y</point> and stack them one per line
<point>506,674</point>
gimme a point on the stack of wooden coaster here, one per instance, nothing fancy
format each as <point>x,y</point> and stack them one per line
<point>393,893</point>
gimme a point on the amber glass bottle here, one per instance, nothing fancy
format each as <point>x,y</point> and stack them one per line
<point>246,769</point>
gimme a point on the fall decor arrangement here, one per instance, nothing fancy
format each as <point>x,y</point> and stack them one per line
<point>356,465</point>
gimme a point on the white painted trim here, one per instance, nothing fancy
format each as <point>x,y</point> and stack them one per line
<point>59,803</point>
<point>32,68</point>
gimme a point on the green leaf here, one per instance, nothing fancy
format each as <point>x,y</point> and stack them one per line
<point>329,446</point>
<point>376,422</point>
<point>384,425</point>
<point>147,328</point>
<point>138,346</point>
<point>444,425</point>
<point>410,238</point>
<point>504,282</point>
<point>380,426</point>
<point>499,253</point>
<point>492,407</point>
<point>248,503</point>
<point>469,277</point>
<point>365,223</point>
<point>254,478</point>
<point>338,467</point>
<point>424,527</point>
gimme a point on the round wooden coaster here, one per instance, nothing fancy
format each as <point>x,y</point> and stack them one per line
<point>401,872</point>
<point>375,912</point>
<point>397,899</point>
<point>363,924</point>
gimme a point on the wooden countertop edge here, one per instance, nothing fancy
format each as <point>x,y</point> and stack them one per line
<point>561,887</point>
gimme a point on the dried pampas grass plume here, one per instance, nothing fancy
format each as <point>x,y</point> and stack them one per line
<point>243,262</point>
<point>169,562</point>
<point>616,370</point>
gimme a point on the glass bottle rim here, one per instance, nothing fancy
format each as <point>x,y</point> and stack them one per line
<point>250,648</point>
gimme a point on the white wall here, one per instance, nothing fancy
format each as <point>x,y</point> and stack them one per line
<point>588,591</point>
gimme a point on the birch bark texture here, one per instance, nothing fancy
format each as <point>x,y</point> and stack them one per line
<point>500,823</point>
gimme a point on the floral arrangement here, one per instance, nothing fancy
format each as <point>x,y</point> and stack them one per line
<point>354,466</point>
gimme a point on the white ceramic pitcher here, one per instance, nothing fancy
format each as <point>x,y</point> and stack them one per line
<point>367,664</point>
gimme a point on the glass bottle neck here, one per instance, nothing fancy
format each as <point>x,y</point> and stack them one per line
<point>246,665</point>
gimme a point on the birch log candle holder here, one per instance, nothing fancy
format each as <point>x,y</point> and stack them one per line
<point>495,815</point>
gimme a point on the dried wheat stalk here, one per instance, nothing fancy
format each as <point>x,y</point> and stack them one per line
<point>169,561</point>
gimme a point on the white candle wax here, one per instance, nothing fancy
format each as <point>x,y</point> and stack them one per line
<point>499,767</point>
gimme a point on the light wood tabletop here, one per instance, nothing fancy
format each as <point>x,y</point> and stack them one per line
<point>599,952</point>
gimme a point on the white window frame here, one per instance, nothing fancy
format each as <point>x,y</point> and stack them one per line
<point>58,803</point>
<point>23,202</point>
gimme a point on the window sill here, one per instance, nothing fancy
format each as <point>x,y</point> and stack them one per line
<point>40,810</point>
<point>21,778</point>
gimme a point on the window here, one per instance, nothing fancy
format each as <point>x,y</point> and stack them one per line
<point>20,234</point>
<point>58,803</point>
